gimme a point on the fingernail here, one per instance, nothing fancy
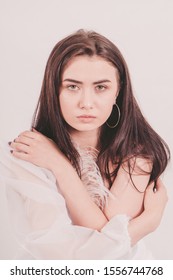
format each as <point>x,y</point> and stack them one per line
<point>11,151</point>
<point>154,189</point>
<point>9,143</point>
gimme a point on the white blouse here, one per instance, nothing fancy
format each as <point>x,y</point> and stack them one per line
<point>40,219</point>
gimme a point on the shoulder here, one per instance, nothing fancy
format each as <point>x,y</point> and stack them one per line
<point>135,172</point>
<point>138,165</point>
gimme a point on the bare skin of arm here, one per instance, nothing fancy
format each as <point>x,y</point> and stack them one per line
<point>149,220</point>
<point>128,192</point>
<point>41,151</point>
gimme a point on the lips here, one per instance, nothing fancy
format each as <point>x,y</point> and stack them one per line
<point>86,116</point>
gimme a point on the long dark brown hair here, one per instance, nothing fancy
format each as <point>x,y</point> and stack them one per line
<point>133,137</point>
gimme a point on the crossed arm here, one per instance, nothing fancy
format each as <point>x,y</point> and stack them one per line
<point>39,150</point>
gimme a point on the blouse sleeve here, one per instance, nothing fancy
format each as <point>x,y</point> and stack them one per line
<point>41,222</point>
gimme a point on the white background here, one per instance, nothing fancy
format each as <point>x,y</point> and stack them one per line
<point>143,31</point>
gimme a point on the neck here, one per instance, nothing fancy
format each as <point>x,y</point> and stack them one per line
<point>85,138</point>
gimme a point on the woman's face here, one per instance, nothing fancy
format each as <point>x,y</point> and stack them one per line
<point>88,91</point>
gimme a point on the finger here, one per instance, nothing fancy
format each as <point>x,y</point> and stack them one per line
<point>20,155</point>
<point>20,147</point>
<point>151,186</point>
<point>161,189</point>
<point>32,134</point>
<point>159,183</point>
<point>24,140</point>
<point>28,133</point>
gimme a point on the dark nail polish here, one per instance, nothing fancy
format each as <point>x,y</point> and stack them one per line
<point>11,151</point>
<point>9,143</point>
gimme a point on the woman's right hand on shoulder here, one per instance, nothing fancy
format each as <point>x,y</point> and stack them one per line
<point>34,147</point>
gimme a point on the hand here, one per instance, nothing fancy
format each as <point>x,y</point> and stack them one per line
<point>38,149</point>
<point>155,202</point>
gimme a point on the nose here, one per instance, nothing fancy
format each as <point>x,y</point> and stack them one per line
<point>86,99</point>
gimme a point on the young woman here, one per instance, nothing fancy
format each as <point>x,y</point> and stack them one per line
<point>85,178</point>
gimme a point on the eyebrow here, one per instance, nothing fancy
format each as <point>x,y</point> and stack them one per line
<point>79,82</point>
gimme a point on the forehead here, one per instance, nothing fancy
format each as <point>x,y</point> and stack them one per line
<point>95,67</point>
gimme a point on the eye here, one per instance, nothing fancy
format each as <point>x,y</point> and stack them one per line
<point>101,87</point>
<point>72,87</point>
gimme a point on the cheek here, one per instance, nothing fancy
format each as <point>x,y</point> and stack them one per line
<point>107,113</point>
<point>106,108</point>
<point>65,105</point>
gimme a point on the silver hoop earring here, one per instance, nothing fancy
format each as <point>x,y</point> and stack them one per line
<point>119,115</point>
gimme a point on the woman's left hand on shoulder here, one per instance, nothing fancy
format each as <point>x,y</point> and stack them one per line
<point>36,148</point>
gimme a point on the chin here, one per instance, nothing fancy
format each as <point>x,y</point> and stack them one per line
<point>86,128</point>
<point>82,127</point>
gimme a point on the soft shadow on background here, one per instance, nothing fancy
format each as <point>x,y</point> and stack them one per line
<point>143,31</point>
